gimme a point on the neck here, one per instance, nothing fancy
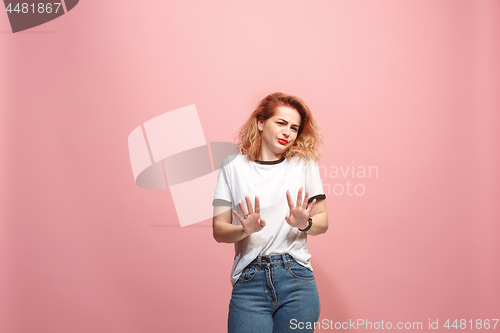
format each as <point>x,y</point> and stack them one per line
<point>268,156</point>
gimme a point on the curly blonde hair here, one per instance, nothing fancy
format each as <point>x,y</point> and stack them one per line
<point>308,138</point>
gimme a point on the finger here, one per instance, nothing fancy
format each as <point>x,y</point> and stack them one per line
<point>299,197</point>
<point>249,204</point>
<point>257,204</point>
<point>289,199</point>
<point>242,208</point>
<point>238,216</point>
<point>306,198</point>
<point>262,223</point>
<point>311,206</point>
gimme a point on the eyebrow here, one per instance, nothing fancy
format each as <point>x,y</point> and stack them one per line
<point>286,121</point>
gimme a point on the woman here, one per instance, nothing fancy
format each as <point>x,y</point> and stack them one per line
<point>273,284</point>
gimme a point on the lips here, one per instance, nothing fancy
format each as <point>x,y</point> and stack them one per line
<point>282,141</point>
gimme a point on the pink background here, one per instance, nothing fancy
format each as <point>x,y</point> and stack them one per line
<point>408,86</point>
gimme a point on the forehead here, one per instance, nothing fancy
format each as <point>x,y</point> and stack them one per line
<point>287,113</point>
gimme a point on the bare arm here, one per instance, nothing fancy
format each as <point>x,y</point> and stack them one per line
<point>320,219</point>
<point>224,231</point>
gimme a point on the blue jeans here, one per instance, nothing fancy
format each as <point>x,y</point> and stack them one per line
<point>274,294</point>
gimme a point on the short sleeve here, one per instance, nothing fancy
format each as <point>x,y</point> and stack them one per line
<point>313,182</point>
<point>222,196</point>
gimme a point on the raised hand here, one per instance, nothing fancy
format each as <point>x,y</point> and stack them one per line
<point>251,221</point>
<point>300,213</point>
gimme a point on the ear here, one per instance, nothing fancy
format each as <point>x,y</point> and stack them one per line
<point>260,123</point>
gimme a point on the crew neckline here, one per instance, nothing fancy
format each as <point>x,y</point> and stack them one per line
<point>270,162</point>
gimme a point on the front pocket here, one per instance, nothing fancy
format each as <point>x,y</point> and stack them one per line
<point>248,274</point>
<point>299,272</point>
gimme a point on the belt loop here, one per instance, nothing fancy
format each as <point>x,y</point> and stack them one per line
<point>259,260</point>
<point>285,262</point>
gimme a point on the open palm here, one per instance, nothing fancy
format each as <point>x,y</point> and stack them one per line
<point>299,213</point>
<point>251,220</point>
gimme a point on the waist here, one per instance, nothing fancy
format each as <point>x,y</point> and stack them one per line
<point>278,259</point>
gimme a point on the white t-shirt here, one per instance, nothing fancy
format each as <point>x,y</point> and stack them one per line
<point>269,180</point>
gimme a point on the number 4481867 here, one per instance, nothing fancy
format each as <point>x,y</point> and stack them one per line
<point>477,324</point>
<point>39,8</point>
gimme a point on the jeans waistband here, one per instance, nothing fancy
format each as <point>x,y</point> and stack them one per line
<point>278,259</point>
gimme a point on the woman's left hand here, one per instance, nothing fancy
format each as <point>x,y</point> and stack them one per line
<point>300,213</point>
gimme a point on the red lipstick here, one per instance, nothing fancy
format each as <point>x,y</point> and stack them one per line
<point>282,141</point>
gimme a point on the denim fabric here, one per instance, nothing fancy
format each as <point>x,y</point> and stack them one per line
<point>270,293</point>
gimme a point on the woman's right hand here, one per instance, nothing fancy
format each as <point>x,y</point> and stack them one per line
<point>251,221</point>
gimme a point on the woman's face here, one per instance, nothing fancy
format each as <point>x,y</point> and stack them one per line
<point>278,132</point>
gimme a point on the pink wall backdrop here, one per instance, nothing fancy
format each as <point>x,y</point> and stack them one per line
<point>409,88</point>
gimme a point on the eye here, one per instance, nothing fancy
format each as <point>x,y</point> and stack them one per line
<point>281,123</point>
<point>295,129</point>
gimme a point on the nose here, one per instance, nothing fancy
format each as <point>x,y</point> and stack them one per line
<point>286,131</point>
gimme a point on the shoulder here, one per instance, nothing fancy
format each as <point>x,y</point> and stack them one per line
<point>234,160</point>
<point>303,162</point>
